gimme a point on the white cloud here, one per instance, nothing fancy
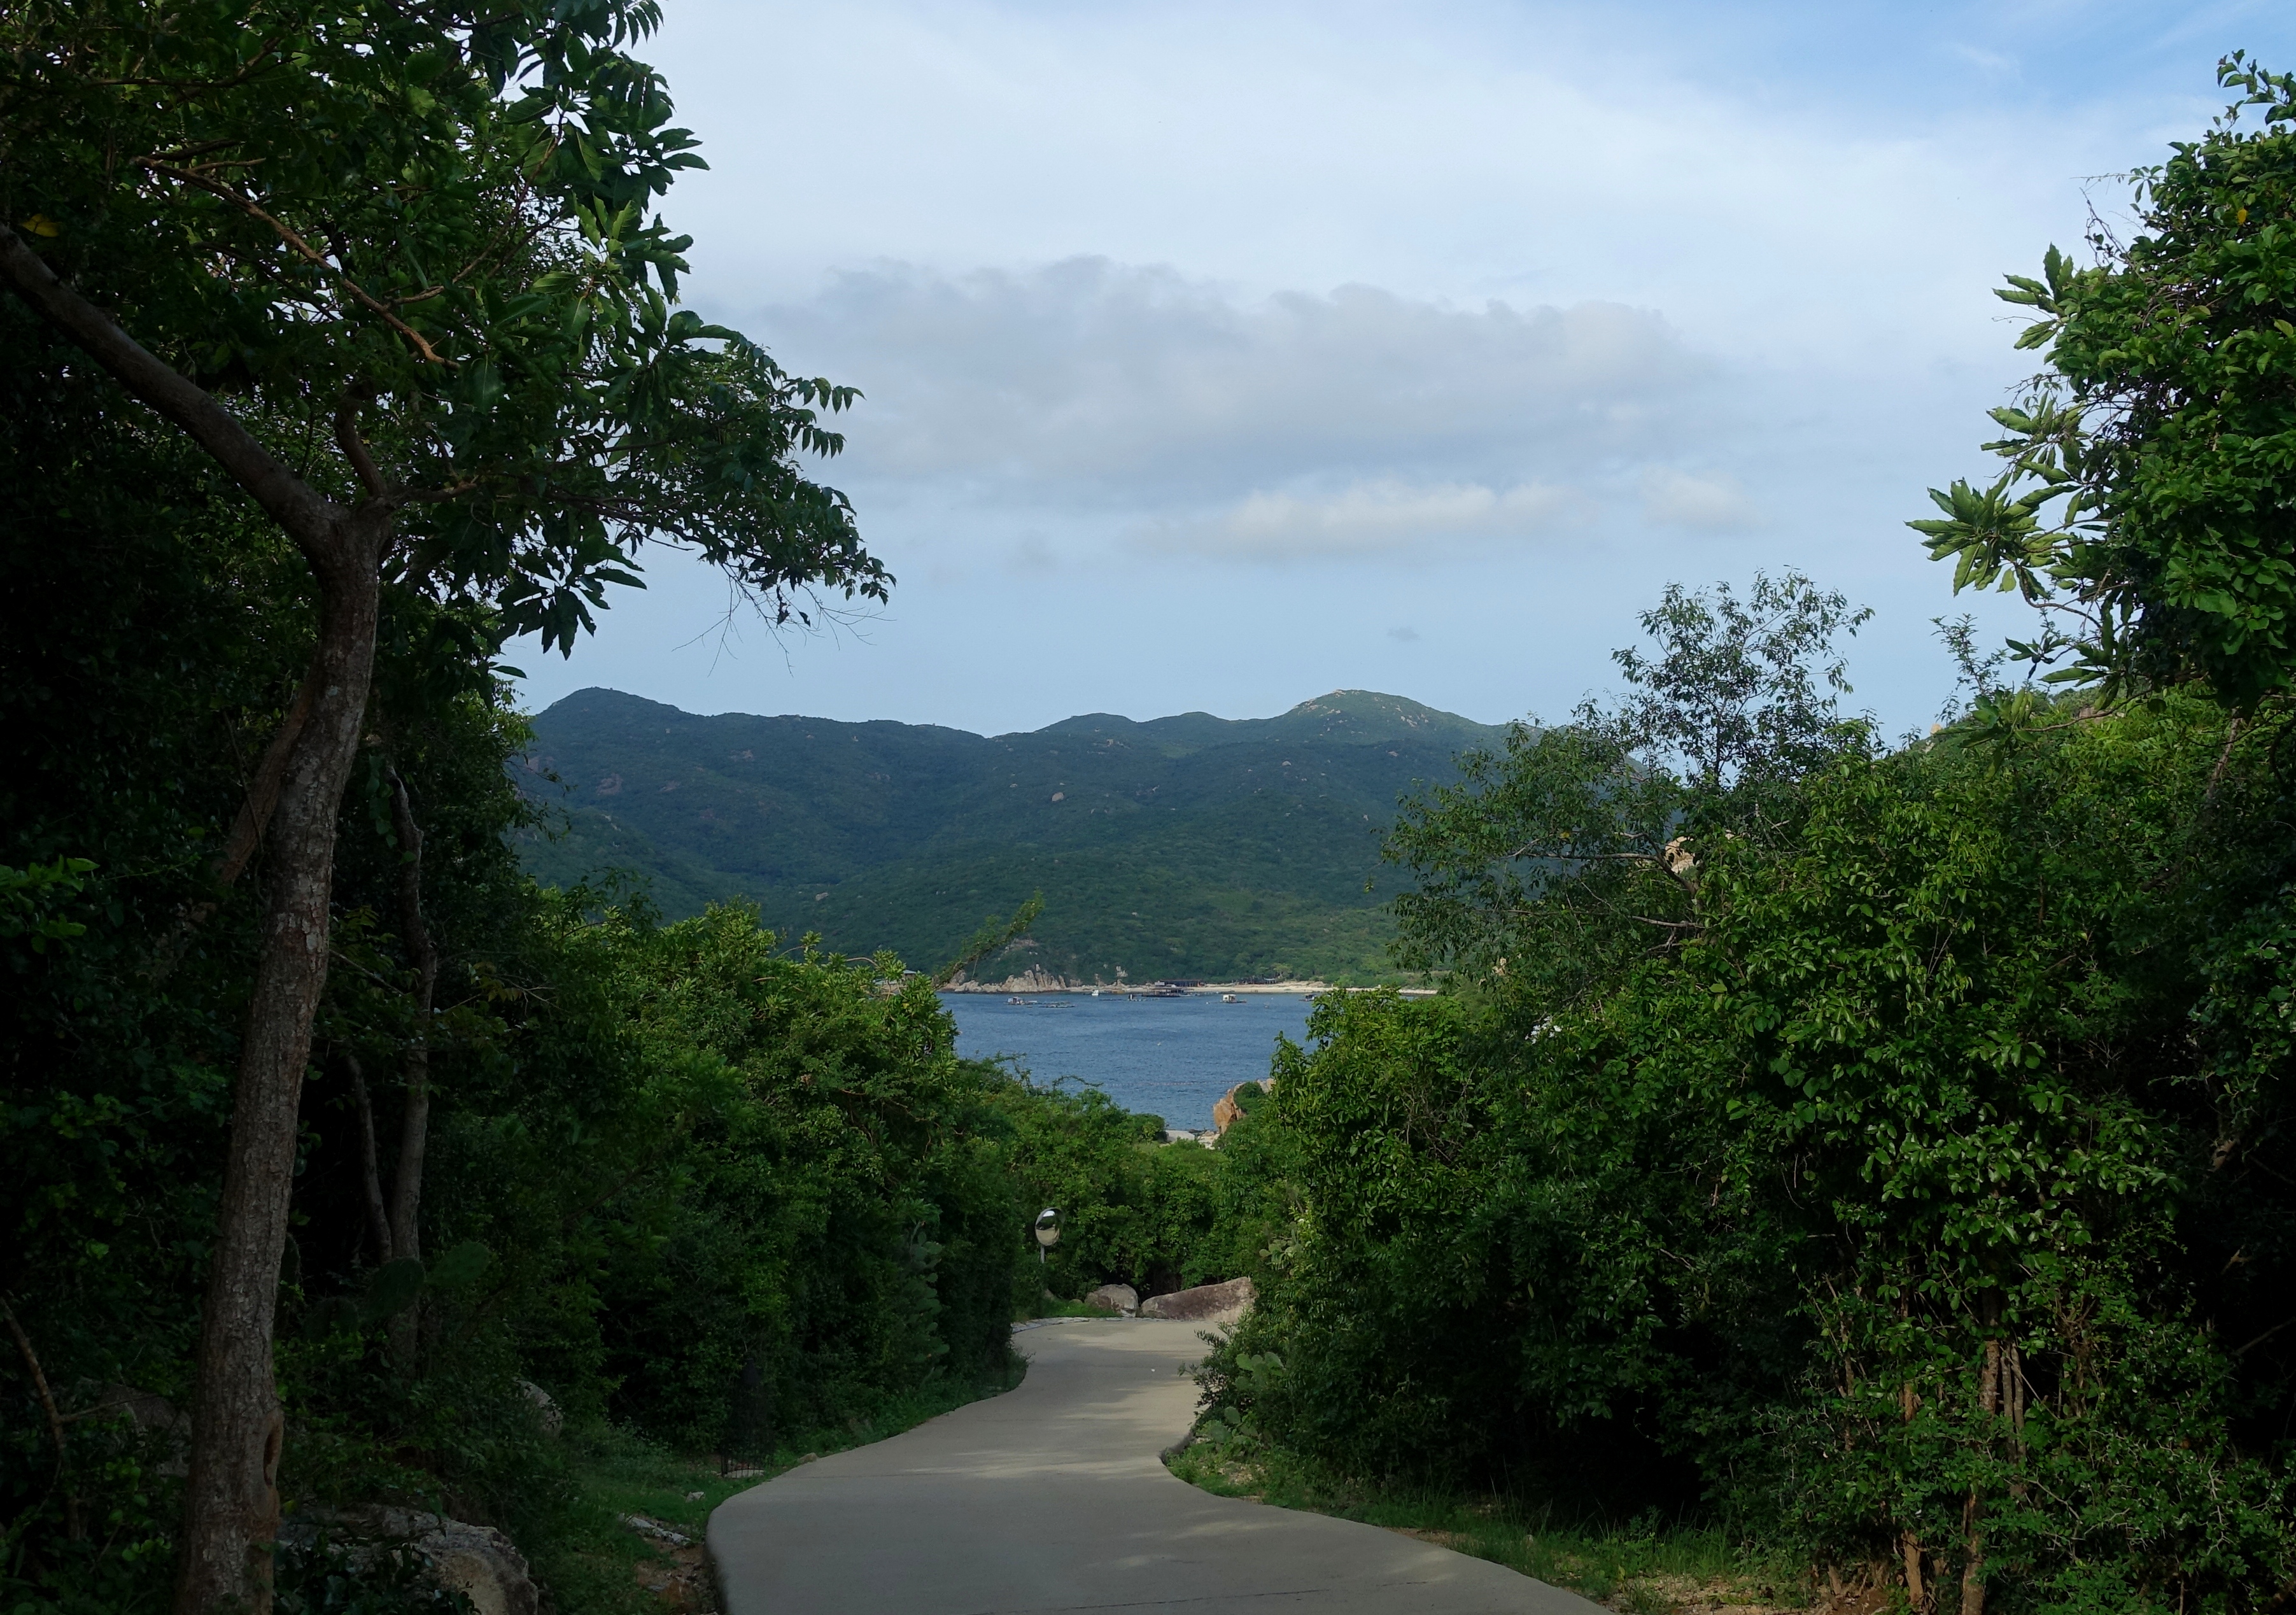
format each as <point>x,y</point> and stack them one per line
<point>1372,519</point>
<point>1708,503</point>
<point>1446,150</point>
<point>1083,259</point>
<point>1985,61</point>
<point>1141,393</point>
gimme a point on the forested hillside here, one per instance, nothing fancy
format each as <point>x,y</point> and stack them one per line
<point>1188,846</point>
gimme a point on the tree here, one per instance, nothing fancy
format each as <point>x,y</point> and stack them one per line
<point>1740,690</point>
<point>397,269</point>
<point>1570,848</point>
<point>2151,465</point>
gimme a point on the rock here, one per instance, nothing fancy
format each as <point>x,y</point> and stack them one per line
<point>147,1409</point>
<point>476,1560</point>
<point>1115,1297</point>
<point>1036,979</point>
<point>1220,1304</point>
<point>1227,1110</point>
<point>647,1527</point>
<point>156,1420</point>
<point>553,1420</point>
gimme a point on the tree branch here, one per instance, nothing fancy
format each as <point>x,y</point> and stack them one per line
<point>414,1116</point>
<point>263,791</point>
<point>55,1423</point>
<point>434,496</point>
<point>308,516</point>
<point>359,294</point>
<point>347,438</point>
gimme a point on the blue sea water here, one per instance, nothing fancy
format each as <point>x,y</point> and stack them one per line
<point>1168,1057</point>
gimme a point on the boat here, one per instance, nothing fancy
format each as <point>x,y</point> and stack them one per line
<point>1012,1001</point>
<point>1230,998</point>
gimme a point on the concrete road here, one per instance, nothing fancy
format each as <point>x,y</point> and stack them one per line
<point>1053,1497</point>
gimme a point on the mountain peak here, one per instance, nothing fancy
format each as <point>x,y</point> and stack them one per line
<point>1370,715</point>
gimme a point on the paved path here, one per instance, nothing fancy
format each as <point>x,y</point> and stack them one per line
<point>1054,1498</point>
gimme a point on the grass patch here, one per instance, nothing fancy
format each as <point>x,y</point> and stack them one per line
<point>598,1564</point>
<point>1643,1566</point>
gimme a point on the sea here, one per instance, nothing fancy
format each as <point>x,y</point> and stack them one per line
<point>1168,1057</point>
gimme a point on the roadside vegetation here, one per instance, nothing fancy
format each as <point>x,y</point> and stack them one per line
<point>1873,1152</point>
<point>1652,1564</point>
<point>344,1166</point>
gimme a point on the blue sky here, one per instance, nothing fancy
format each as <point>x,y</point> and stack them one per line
<point>1218,355</point>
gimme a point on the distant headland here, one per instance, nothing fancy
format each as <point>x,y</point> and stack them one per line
<point>1190,847</point>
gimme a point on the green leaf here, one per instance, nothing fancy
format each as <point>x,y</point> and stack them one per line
<point>461,1268</point>
<point>392,1290</point>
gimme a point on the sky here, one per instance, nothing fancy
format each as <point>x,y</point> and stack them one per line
<point>1215,357</point>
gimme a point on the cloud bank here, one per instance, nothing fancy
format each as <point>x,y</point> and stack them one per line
<point>1291,427</point>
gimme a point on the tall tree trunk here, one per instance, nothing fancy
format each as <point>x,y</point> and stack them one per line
<point>414,1120</point>
<point>1909,1546</point>
<point>231,1495</point>
<point>231,1504</point>
<point>370,1173</point>
<point>1989,1402</point>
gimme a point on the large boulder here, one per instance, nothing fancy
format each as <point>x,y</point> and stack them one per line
<point>155,1420</point>
<point>476,1560</point>
<point>1215,1304</point>
<point>1226,1111</point>
<point>1232,1106</point>
<point>546,1408</point>
<point>1115,1297</point>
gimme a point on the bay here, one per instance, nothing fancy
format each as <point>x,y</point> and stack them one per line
<point>1168,1057</point>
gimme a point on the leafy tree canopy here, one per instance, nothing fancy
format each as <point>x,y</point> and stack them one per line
<point>2151,465</point>
<point>1563,850</point>
<point>429,234</point>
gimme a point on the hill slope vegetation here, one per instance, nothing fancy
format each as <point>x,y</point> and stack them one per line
<point>1186,846</point>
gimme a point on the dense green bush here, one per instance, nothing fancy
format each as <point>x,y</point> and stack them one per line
<point>1916,1188</point>
<point>1134,1210</point>
<point>677,1176</point>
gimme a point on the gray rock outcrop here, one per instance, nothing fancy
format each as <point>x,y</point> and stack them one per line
<point>476,1560</point>
<point>1115,1297</point>
<point>546,1408</point>
<point>1036,979</point>
<point>1215,1304</point>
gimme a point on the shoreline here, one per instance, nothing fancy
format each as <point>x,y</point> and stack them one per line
<point>1301,989</point>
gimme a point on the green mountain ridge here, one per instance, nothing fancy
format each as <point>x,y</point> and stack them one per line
<point>1184,846</point>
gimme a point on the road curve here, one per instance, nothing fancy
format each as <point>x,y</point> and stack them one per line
<point>1053,1497</point>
